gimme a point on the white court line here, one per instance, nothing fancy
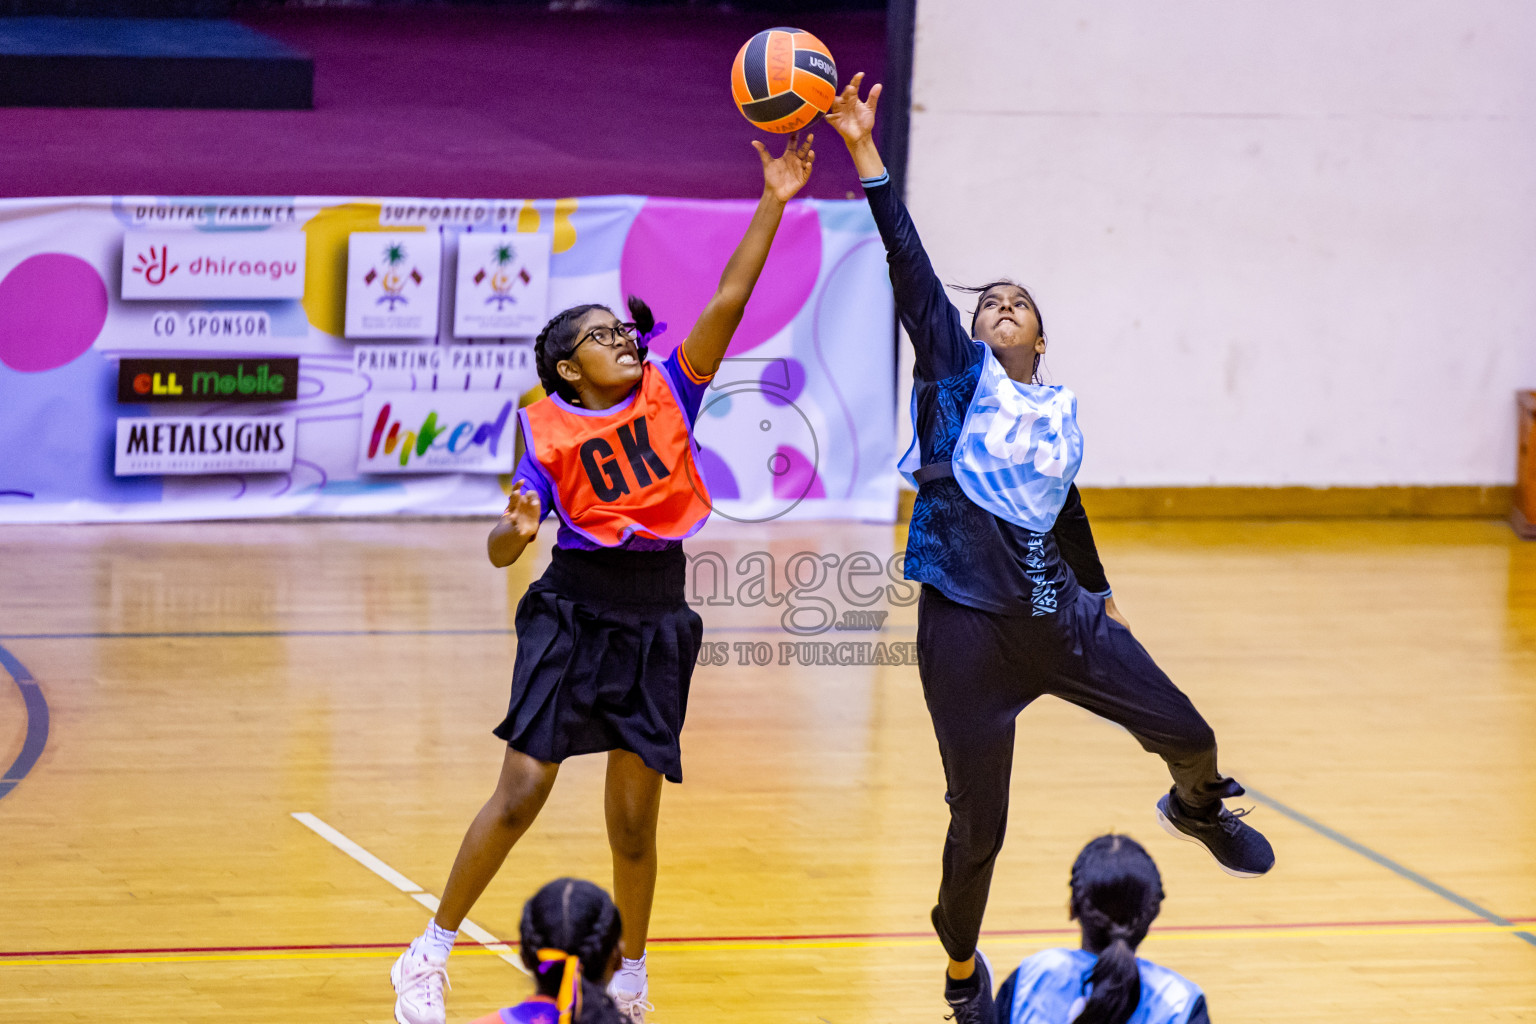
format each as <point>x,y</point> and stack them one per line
<point>358,854</point>
<point>404,884</point>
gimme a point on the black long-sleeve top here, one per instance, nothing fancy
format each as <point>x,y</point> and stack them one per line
<point>972,556</point>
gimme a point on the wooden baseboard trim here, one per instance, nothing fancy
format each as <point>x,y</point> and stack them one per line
<point>1492,502</point>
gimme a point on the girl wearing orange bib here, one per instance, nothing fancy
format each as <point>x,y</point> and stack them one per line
<point>627,471</point>
<point>606,643</point>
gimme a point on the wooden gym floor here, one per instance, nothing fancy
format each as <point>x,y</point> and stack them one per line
<point>1374,683</point>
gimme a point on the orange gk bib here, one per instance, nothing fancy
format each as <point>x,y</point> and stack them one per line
<point>624,470</point>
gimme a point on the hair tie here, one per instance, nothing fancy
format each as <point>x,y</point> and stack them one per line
<point>568,1002</point>
<point>654,332</point>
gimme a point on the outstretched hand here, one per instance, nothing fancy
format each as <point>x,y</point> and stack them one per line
<point>784,176</point>
<point>853,118</point>
<point>515,529</point>
<point>522,514</point>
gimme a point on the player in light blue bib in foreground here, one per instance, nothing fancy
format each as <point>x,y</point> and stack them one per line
<point>1116,893</point>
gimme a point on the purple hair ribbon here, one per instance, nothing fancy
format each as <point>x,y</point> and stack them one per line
<point>643,343</point>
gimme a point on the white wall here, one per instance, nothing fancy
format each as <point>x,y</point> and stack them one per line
<point>1274,243</point>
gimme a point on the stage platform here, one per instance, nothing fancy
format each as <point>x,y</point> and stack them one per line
<point>149,62</point>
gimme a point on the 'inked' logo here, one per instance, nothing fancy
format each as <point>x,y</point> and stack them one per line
<point>155,265</point>
<point>602,465</point>
<point>430,436</point>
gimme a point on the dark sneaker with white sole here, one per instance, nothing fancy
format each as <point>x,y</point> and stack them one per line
<point>1238,847</point>
<point>971,999</point>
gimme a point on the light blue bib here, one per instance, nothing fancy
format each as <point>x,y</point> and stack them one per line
<point>1053,986</point>
<point>1019,447</point>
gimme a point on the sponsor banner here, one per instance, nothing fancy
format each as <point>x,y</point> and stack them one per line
<point>447,367</point>
<point>211,325</point>
<point>502,286</point>
<point>207,380</point>
<point>392,284</point>
<point>213,265</point>
<point>437,432</point>
<point>186,445</point>
<point>797,423</point>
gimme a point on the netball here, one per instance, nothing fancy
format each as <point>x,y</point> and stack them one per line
<point>783,79</point>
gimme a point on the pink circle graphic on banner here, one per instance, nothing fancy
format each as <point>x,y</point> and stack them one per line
<point>52,307</point>
<point>794,475</point>
<point>676,249</point>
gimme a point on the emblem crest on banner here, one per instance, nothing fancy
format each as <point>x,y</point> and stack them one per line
<point>502,289</point>
<point>392,276</point>
<point>392,284</point>
<point>501,275</point>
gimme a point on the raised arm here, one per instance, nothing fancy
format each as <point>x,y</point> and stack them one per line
<point>941,341</point>
<point>706,343</point>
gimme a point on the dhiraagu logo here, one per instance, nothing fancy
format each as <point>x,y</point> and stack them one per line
<point>436,432</point>
<point>213,265</point>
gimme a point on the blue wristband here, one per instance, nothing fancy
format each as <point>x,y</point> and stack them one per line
<point>883,179</point>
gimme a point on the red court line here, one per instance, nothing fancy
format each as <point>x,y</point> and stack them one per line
<point>200,949</point>
<point>821,936</point>
<point>1012,932</point>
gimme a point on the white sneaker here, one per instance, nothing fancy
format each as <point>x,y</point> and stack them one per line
<point>419,980</point>
<point>630,1000</point>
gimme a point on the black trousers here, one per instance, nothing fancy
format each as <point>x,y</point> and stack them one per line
<point>980,669</point>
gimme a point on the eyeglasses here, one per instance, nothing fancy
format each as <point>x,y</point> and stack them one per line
<point>608,337</point>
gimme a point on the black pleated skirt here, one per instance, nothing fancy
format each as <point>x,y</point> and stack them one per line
<point>606,646</point>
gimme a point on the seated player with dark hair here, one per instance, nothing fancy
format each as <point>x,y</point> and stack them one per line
<point>569,939</point>
<point>1116,894</point>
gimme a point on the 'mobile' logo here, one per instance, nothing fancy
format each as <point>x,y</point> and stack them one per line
<point>207,380</point>
<point>435,432</point>
<point>213,265</point>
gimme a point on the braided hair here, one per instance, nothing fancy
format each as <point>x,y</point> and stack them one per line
<point>1004,282</point>
<point>1116,894</point>
<point>570,923</point>
<point>558,338</point>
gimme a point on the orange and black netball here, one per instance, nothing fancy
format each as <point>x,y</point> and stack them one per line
<point>783,79</point>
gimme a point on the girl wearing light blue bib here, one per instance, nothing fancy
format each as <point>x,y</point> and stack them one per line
<point>1015,604</point>
<point>1116,893</point>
